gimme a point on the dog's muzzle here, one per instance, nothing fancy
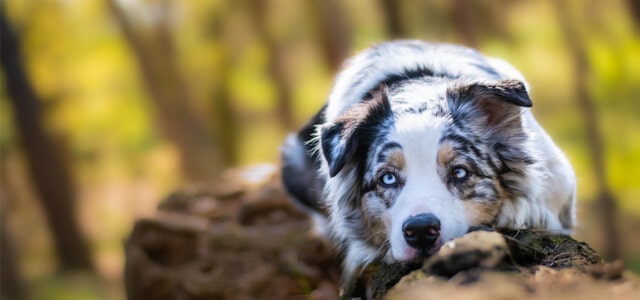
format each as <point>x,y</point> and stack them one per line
<point>421,231</point>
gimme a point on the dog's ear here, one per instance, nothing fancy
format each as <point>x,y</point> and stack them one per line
<point>334,146</point>
<point>350,136</point>
<point>494,106</point>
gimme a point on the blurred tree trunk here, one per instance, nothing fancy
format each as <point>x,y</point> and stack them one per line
<point>494,19</point>
<point>393,14</point>
<point>464,21</point>
<point>634,10</point>
<point>582,69</point>
<point>224,117</point>
<point>11,281</point>
<point>333,30</point>
<point>277,66</point>
<point>155,52</point>
<point>477,20</point>
<point>47,167</point>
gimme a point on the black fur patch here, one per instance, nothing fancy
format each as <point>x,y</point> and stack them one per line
<point>350,137</point>
<point>394,79</point>
<point>486,125</point>
<point>299,165</point>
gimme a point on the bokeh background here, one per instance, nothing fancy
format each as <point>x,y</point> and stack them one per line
<point>106,106</point>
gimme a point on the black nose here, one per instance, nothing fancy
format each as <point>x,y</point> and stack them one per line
<point>421,231</point>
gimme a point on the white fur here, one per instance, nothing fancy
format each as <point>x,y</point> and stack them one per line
<point>551,181</point>
<point>357,252</point>
<point>388,58</point>
<point>424,191</point>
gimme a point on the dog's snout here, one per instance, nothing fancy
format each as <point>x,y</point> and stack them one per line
<point>421,231</point>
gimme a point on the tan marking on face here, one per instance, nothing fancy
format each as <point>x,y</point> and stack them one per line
<point>499,190</point>
<point>446,153</point>
<point>479,213</point>
<point>396,159</point>
<point>373,212</point>
<point>376,232</point>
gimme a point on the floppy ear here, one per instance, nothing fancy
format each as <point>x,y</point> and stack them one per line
<point>494,106</point>
<point>334,146</point>
<point>350,136</point>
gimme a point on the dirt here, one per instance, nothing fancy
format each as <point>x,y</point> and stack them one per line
<point>242,238</point>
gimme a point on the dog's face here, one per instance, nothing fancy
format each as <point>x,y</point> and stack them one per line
<point>420,175</point>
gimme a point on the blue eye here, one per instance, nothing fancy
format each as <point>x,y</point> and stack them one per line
<point>388,179</point>
<point>459,173</point>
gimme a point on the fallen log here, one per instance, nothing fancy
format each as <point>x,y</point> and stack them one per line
<point>478,253</point>
<point>243,239</point>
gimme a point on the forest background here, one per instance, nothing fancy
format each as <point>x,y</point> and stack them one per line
<point>106,106</point>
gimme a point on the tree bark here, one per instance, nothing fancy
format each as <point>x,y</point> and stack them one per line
<point>50,173</point>
<point>606,200</point>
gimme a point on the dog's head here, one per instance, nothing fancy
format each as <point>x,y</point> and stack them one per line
<point>406,179</point>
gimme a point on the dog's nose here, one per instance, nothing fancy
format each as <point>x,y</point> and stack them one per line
<point>421,231</point>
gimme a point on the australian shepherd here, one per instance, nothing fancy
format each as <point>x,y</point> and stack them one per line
<point>417,144</point>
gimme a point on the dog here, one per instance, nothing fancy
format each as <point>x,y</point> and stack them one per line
<point>418,144</point>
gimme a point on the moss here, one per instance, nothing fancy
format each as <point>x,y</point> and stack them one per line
<point>512,251</point>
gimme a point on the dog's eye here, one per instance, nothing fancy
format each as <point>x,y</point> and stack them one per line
<point>459,173</point>
<point>388,179</point>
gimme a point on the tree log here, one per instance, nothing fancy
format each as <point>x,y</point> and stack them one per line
<point>244,240</point>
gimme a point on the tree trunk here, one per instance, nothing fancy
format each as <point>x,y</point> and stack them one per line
<point>463,19</point>
<point>167,88</point>
<point>606,201</point>
<point>333,30</point>
<point>11,281</point>
<point>634,10</point>
<point>49,171</point>
<point>277,66</point>
<point>392,12</point>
